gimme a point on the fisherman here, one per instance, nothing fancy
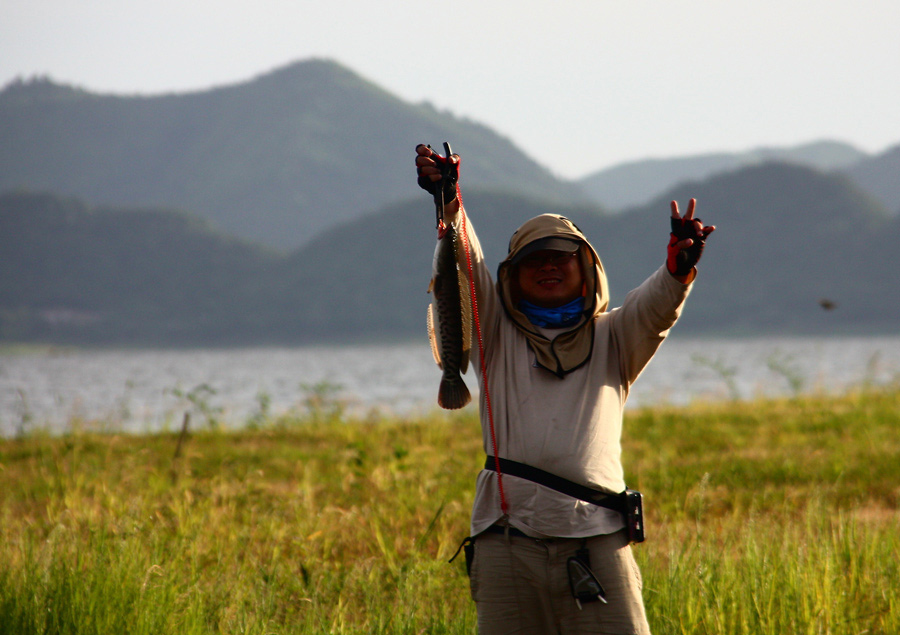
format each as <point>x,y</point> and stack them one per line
<point>556,371</point>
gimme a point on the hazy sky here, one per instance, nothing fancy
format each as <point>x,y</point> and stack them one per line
<point>579,85</point>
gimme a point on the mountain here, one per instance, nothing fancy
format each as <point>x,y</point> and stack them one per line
<point>373,276</point>
<point>789,240</point>
<point>287,155</point>
<point>880,177</point>
<point>76,274</point>
<point>276,159</point>
<point>636,183</point>
<point>788,237</point>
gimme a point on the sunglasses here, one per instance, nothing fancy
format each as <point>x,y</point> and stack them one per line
<point>554,258</point>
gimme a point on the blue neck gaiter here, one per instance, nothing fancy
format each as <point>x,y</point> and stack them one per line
<point>557,317</point>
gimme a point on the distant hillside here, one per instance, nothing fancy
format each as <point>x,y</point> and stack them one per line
<point>74,274</point>
<point>373,276</point>
<point>636,183</point>
<point>788,238</point>
<point>880,177</point>
<point>276,159</point>
<point>285,156</point>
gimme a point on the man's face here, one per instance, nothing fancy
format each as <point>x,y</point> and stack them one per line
<point>550,278</point>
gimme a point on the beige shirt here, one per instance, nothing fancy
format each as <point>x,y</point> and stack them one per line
<point>570,426</point>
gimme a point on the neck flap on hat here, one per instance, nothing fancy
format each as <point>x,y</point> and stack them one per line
<point>571,348</point>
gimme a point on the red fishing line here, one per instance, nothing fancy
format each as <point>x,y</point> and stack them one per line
<point>487,394</point>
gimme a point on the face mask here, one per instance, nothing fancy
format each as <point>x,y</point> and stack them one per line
<point>557,317</point>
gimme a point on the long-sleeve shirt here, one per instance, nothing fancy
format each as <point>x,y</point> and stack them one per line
<point>569,426</point>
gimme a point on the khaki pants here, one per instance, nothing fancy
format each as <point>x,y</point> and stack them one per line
<point>520,585</point>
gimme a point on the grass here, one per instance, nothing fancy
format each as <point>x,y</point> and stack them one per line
<point>777,516</point>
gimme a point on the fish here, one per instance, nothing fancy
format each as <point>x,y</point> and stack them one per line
<point>449,320</point>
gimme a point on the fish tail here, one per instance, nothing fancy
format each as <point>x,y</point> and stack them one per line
<point>453,394</point>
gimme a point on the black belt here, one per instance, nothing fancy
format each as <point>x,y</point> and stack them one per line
<point>512,531</point>
<point>615,502</point>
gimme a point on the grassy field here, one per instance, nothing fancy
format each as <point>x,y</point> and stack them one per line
<point>773,517</point>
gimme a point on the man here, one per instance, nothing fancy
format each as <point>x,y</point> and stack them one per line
<point>558,368</point>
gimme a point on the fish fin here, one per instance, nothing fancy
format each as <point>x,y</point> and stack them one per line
<point>464,361</point>
<point>465,305</point>
<point>433,336</point>
<point>453,395</point>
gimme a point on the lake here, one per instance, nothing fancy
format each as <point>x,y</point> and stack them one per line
<point>149,390</point>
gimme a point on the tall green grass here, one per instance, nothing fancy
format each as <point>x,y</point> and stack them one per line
<point>766,517</point>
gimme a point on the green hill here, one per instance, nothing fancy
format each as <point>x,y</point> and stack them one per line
<point>789,237</point>
<point>635,183</point>
<point>880,177</point>
<point>142,277</point>
<point>276,159</point>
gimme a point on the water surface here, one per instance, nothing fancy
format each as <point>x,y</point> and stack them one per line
<point>147,390</point>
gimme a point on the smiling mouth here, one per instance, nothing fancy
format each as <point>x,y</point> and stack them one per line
<point>549,281</point>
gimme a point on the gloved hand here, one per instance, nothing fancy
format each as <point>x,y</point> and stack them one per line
<point>686,241</point>
<point>436,171</point>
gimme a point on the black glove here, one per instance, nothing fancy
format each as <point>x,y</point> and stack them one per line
<point>449,177</point>
<point>680,262</point>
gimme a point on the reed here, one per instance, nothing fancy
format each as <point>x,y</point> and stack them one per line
<point>775,516</point>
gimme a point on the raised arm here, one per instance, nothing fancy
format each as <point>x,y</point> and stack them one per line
<point>649,311</point>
